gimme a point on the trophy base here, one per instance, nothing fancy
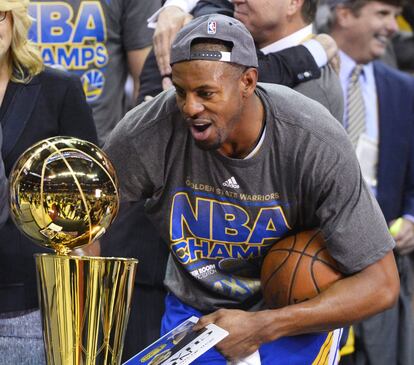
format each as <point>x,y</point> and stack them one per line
<point>85,304</point>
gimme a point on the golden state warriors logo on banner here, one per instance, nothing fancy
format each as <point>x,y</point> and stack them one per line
<point>93,83</point>
<point>74,40</point>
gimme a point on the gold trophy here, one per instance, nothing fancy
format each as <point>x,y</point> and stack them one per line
<point>64,195</point>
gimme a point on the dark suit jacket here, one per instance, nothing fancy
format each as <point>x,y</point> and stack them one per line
<point>392,329</point>
<point>52,104</point>
<point>395,176</point>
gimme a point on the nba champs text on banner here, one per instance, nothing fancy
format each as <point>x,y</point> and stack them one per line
<point>73,38</point>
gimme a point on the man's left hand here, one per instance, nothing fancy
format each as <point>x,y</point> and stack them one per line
<point>245,331</point>
<point>404,238</point>
<point>331,49</point>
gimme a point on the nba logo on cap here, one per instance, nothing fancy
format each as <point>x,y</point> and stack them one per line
<point>211,27</point>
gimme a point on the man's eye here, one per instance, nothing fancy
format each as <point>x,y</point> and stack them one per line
<point>384,13</point>
<point>180,93</point>
<point>205,94</point>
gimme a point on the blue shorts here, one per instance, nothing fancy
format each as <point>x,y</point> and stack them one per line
<point>309,349</point>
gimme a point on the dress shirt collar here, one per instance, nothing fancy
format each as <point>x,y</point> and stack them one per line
<point>347,66</point>
<point>291,40</point>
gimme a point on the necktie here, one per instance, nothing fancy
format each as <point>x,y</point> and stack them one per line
<point>355,107</point>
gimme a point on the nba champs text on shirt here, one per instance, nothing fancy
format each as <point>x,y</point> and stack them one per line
<point>219,234</point>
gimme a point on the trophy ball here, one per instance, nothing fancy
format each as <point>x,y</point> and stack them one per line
<point>63,193</point>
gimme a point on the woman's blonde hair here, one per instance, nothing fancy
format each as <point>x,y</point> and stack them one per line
<point>25,58</point>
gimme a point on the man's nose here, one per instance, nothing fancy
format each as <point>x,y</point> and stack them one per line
<point>192,106</point>
<point>392,25</point>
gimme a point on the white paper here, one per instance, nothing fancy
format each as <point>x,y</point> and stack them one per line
<point>180,346</point>
<point>367,153</point>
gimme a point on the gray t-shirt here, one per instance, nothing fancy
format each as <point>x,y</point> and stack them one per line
<point>221,215</point>
<point>90,39</point>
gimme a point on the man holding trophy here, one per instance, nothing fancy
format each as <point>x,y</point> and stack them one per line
<point>227,167</point>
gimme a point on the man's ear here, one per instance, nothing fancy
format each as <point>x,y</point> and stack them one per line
<point>294,6</point>
<point>248,81</point>
<point>344,16</point>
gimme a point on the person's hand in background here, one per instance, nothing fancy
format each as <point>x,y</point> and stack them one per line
<point>402,230</point>
<point>331,50</point>
<point>170,21</point>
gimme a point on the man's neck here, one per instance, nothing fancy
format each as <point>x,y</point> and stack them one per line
<point>348,48</point>
<point>248,130</point>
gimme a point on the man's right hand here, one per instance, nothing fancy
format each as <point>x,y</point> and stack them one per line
<point>331,50</point>
<point>170,21</point>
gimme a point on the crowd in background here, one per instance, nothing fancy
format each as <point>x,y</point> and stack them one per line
<point>77,85</point>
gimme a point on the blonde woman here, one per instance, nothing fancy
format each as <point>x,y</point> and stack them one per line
<point>35,103</point>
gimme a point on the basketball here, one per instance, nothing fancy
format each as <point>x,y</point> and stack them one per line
<point>297,268</point>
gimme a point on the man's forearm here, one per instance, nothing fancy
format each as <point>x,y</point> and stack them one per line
<point>349,300</point>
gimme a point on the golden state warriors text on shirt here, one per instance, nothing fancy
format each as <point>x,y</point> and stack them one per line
<point>73,39</point>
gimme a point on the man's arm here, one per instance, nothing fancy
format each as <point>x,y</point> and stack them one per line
<point>136,59</point>
<point>169,20</point>
<point>288,67</point>
<point>356,235</point>
<point>136,36</point>
<point>403,229</point>
<point>349,300</point>
<point>294,65</point>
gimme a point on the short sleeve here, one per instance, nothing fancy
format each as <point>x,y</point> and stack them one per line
<point>134,147</point>
<point>350,217</point>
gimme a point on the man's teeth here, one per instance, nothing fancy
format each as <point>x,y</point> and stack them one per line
<point>383,39</point>
<point>201,127</point>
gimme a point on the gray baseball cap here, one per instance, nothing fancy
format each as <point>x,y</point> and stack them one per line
<point>215,26</point>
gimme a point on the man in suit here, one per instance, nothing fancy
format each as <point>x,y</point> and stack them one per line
<point>385,147</point>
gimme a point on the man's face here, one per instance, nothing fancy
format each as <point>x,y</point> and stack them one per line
<point>209,95</point>
<point>369,31</point>
<point>262,17</point>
